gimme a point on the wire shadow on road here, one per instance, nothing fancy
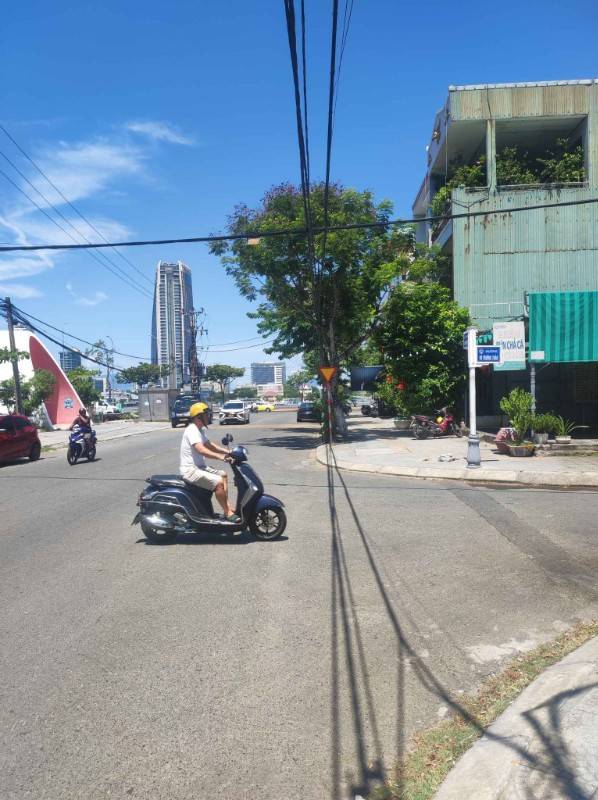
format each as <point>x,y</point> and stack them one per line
<point>556,760</point>
<point>371,771</point>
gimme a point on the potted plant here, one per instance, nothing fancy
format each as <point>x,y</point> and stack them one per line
<point>563,428</point>
<point>542,426</point>
<point>517,405</point>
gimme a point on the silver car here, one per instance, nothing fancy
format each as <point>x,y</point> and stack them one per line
<point>234,411</point>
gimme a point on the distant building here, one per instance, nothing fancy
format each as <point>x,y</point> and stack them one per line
<point>69,360</point>
<point>171,321</point>
<point>268,372</point>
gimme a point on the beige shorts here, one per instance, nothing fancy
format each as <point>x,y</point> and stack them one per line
<point>206,477</point>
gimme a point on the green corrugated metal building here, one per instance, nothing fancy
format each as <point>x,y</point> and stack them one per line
<point>501,259</point>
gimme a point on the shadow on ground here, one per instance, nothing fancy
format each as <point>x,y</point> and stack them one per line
<point>350,674</point>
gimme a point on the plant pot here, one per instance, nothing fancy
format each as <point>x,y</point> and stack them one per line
<point>562,439</point>
<point>540,438</point>
<point>521,450</point>
<point>402,423</point>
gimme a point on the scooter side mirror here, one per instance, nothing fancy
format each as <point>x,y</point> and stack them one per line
<point>227,440</point>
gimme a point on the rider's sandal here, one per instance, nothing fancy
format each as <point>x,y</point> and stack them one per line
<point>233,518</point>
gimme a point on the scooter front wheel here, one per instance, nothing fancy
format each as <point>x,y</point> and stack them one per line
<point>71,456</point>
<point>91,453</point>
<point>421,432</point>
<point>268,523</point>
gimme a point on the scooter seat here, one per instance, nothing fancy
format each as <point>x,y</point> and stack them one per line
<point>168,480</point>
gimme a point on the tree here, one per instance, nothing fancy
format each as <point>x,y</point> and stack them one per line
<point>82,380</point>
<point>11,355</point>
<point>246,392</point>
<point>323,307</point>
<point>33,392</point>
<point>421,332</point>
<point>222,374</point>
<point>143,374</point>
<point>296,380</point>
<point>8,396</point>
<point>38,389</point>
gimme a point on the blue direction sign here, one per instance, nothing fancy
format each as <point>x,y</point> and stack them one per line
<point>489,354</point>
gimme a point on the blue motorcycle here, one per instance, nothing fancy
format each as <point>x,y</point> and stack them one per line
<point>82,444</point>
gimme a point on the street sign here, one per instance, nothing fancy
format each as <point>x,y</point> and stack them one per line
<point>327,373</point>
<point>488,354</point>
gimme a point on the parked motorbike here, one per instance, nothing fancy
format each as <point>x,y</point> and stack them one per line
<point>370,409</point>
<point>82,444</point>
<point>170,505</point>
<point>442,424</point>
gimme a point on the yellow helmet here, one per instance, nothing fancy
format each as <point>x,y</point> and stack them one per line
<point>197,408</point>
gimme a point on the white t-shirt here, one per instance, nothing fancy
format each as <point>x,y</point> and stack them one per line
<point>189,456</point>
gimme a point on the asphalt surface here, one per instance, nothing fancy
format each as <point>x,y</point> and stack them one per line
<point>222,667</point>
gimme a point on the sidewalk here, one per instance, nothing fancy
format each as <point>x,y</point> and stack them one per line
<point>544,745</point>
<point>374,445</point>
<point>117,429</point>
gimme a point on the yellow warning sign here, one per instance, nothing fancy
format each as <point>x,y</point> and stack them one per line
<point>327,373</point>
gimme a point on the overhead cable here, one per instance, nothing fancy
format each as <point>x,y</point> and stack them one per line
<point>77,245</point>
<point>256,234</point>
<point>61,215</point>
<point>71,204</point>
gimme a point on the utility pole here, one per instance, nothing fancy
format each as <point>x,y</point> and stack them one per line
<point>109,362</point>
<point>196,320</point>
<point>15,360</point>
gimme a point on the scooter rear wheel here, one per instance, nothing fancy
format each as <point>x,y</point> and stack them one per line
<point>421,432</point>
<point>268,523</point>
<point>157,535</point>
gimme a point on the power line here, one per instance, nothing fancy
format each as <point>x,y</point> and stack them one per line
<point>29,316</point>
<point>70,203</point>
<point>60,214</point>
<point>23,321</point>
<point>26,317</point>
<point>89,246</point>
<point>296,231</point>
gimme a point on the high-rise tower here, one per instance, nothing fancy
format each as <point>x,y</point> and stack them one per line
<point>171,321</point>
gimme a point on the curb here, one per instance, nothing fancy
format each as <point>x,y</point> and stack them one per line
<point>479,475</point>
<point>63,446</point>
<point>525,751</point>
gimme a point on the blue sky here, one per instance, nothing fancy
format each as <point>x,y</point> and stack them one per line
<point>156,118</point>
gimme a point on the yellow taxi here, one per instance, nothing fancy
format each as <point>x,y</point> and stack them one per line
<point>264,406</point>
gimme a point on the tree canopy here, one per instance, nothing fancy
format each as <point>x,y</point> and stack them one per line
<point>222,374</point>
<point>326,310</point>
<point>143,373</point>
<point>11,355</point>
<point>420,331</point>
<point>83,383</point>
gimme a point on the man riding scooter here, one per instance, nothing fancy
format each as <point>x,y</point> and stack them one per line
<point>195,448</point>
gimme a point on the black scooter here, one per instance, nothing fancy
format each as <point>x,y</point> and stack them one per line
<point>170,505</point>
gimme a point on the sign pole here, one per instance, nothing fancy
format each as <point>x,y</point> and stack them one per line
<point>473,441</point>
<point>328,374</point>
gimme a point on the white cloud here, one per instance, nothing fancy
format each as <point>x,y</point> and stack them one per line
<point>94,300</point>
<point>83,169</point>
<point>18,290</point>
<point>160,131</point>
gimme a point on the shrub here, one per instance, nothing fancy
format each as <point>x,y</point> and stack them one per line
<point>517,405</point>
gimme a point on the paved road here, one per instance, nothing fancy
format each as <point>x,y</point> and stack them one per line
<point>228,668</point>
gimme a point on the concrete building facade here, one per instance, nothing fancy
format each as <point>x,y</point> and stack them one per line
<point>499,259</point>
<point>69,360</point>
<point>171,336</point>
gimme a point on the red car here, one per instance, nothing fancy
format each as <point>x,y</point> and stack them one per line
<point>18,438</point>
